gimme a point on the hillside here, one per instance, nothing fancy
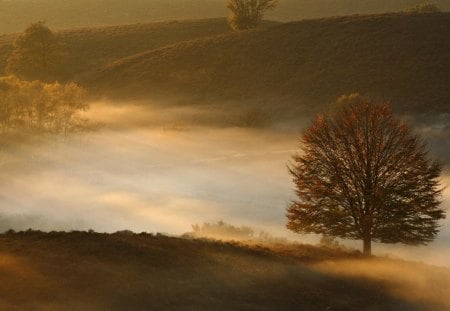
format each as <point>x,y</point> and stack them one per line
<point>401,57</point>
<point>91,271</point>
<point>16,15</point>
<point>91,48</point>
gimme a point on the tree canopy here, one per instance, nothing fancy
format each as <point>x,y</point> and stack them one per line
<point>363,174</point>
<point>37,54</point>
<point>248,14</point>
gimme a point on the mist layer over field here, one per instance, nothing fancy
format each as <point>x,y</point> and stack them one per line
<point>154,169</point>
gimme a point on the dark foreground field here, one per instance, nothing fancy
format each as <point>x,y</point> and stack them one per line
<point>90,271</point>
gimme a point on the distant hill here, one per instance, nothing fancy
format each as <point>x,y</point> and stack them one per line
<point>400,57</point>
<point>15,15</point>
<point>307,64</point>
<point>91,48</point>
<point>126,271</point>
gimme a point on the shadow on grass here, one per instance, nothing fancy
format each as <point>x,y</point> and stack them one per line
<point>91,271</point>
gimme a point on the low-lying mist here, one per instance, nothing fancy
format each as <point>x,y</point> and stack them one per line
<point>152,170</point>
<point>161,169</point>
<point>412,282</point>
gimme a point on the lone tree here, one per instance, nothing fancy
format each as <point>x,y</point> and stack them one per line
<point>364,175</point>
<point>37,54</point>
<point>247,14</point>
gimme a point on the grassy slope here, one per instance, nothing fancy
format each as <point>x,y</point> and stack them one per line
<point>88,271</point>
<point>401,57</point>
<point>16,15</point>
<point>92,48</point>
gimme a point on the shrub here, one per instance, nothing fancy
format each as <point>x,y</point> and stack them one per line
<point>424,7</point>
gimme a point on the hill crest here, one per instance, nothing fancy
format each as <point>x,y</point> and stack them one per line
<point>401,57</point>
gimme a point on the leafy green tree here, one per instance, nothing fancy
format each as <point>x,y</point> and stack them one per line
<point>248,14</point>
<point>363,174</point>
<point>37,54</point>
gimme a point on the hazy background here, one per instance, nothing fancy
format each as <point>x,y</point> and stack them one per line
<point>161,169</point>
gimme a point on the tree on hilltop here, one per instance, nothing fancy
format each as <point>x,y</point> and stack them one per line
<point>248,14</point>
<point>363,174</point>
<point>37,54</point>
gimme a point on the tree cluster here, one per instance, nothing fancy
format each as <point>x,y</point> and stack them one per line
<point>38,106</point>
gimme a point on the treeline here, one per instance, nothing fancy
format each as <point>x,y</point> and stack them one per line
<point>40,107</point>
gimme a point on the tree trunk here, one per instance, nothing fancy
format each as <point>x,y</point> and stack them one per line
<point>367,246</point>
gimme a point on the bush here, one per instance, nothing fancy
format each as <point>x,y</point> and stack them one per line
<point>424,7</point>
<point>248,14</point>
<point>221,230</point>
<point>329,241</point>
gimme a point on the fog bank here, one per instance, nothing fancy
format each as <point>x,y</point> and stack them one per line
<point>160,169</point>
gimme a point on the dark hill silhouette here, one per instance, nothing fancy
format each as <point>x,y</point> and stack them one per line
<point>126,271</point>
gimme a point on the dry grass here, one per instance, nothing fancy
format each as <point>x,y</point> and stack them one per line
<point>91,271</point>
